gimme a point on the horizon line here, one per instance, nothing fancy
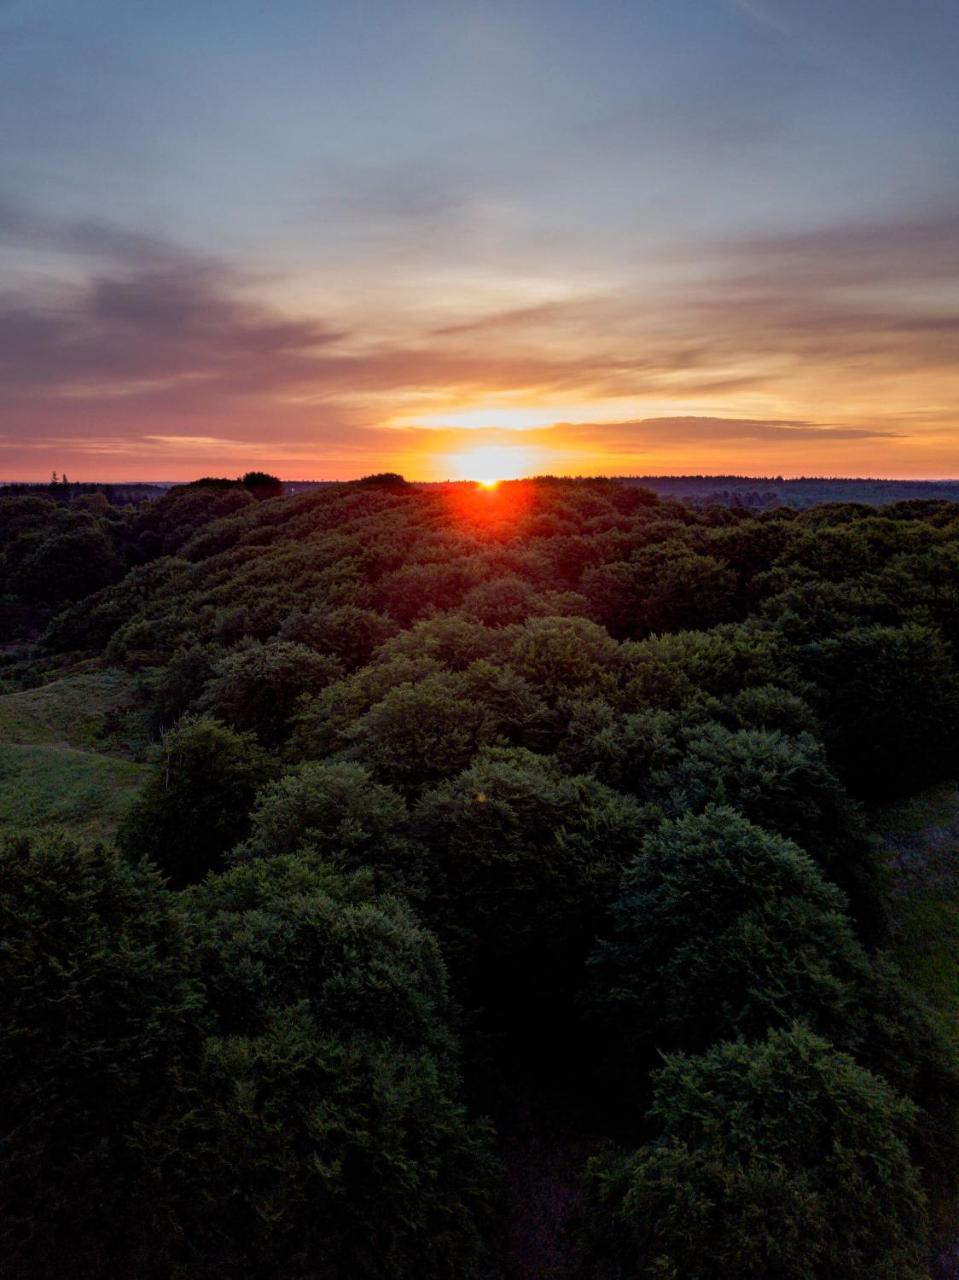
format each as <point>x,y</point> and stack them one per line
<point>622,476</point>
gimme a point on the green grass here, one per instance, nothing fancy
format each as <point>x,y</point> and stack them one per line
<point>919,840</point>
<point>81,793</point>
<point>927,948</point>
<point>67,754</point>
<point>936,807</point>
<point>92,711</point>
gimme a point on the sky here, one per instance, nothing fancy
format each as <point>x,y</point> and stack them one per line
<point>479,238</point>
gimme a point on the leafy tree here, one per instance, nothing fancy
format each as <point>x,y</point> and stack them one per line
<point>165,526</point>
<point>672,671</point>
<point>722,929</point>
<point>101,1020</point>
<point>281,931</point>
<point>559,655</point>
<point>889,700</point>
<point>662,588</point>
<point>806,610</point>
<point>176,687</point>
<point>336,813</point>
<point>24,513</point>
<point>510,703</point>
<point>314,1155</point>
<point>382,480</point>
<point>452,641</point>
<point>625,751</point>
<point>328,1138</point>
<point>60,565</point>
<point>417,591</point>
<point>324,722</point>
<point>258,686</point>
<point>196,805</point>
<point>421,732</point>
<point>503,601</point>
<point>262,485</point>
<point>782,1158</point>
<point>781,783</point>
<point>769,707</point>
<point>519,862</point>
<point>349,633</point>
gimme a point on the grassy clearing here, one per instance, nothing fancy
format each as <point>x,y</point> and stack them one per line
<point>81,793</point>
<point>919,840</point>
<point>91,710</point>
<point>69,754</point>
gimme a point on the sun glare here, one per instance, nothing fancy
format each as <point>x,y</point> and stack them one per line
<point>492,463</point>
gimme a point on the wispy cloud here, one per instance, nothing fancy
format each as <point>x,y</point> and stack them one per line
<point>824,339</point>
<point>762,14</point>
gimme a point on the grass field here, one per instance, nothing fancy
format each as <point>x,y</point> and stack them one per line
<point>71,754</point>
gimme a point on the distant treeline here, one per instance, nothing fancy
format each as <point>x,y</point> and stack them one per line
<point>767,491</point>
<point>756,492</point>
<point>65,491</point>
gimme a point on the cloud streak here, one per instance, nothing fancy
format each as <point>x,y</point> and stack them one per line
<point>165,352</point>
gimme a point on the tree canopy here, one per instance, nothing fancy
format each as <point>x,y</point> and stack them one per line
<point>454,814</point>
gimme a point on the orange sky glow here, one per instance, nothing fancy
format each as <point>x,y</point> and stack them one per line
<point>479,240</point>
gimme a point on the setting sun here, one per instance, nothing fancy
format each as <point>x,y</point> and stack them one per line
<point>490,464</point>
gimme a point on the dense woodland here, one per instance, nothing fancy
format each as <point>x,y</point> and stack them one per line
<point>479,821</point>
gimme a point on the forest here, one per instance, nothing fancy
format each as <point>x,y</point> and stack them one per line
<point>473,883</point>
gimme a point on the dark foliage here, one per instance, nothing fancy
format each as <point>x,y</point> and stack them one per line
<point>407,730</point>
<point>197,804</point>
<point>779,1158</point>
<point>101,1018</point>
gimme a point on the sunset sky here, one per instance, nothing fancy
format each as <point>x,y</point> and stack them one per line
<point>460,238</point>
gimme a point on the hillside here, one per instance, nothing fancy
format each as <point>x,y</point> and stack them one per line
<point>65,755</point>
<point>548,880</point>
